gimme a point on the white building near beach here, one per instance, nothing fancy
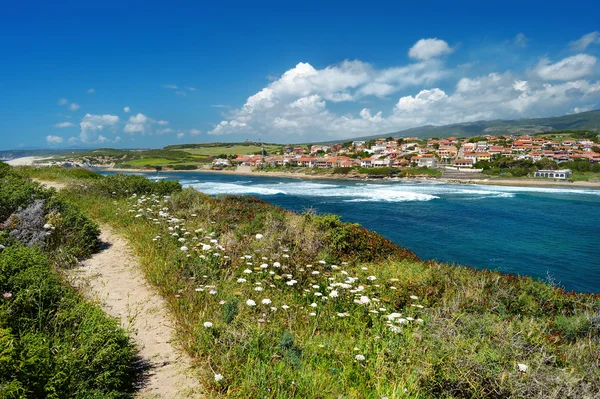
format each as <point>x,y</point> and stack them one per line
<point>554,174</point>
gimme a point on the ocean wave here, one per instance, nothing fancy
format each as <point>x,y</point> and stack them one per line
<point>230,188</point>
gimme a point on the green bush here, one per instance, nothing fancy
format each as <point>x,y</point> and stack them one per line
<point>121,186</point>
<point>16,192</point>
<point>73,232</point>
<point>185,167</point>
<point>52,343</point>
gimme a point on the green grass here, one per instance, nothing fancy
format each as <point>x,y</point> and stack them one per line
<point>149,161</point>
<point>462,332</point>
<point>231,150</point>
<point>585,176</point>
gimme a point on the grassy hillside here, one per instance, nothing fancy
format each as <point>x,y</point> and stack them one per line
<point>276,304</point>
<point>582,121</point>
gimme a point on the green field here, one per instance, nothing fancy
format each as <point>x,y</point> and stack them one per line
<point>233,149</point>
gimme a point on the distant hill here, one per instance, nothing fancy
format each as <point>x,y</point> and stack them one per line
<point>582,121</point>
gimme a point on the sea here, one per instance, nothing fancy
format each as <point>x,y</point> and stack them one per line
<point>551,234</point>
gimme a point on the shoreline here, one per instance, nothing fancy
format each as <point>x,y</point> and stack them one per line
<point>490,182</point>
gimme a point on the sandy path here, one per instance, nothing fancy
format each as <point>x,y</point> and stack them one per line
<point>113,278</point>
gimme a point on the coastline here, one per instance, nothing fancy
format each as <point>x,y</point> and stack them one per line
<point>490,182</point>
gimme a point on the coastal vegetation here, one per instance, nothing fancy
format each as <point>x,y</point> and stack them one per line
<point>276,304</point>
<point>53,344</point>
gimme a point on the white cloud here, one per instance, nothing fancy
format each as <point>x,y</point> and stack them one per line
<point>127,110</point>
<point>140,123</point>
<point>195,132</point>
<point>91,91</point>
<point>74,107</point>
<point>181,93</point>
<point>575,67</point>
<point>137,124</point>
<point>219,106</point>
<point>63,101</point>
<point>170,86</point>
<point>191,88</point>
<point>54,139</point>
<point>180,135</point>
<point>425,49</point>
<point>304,90</point>
<point>64,124</point>
<point>164,131</point>
<point>91,124</point>
<point>584,41</point>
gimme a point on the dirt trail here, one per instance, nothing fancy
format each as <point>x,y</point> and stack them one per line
<point>113,278</point>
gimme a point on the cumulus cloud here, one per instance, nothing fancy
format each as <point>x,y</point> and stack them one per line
<point>74,107</point>
<point>91,124</point>
<point>303,92</point>
<point>127,110</point>
<point>64,124</point>
<point>54,139</point>
<point>140,123</point>
<point>584,41</point>
<point>425,49</point>
<point>575,67</point>
<point>299,103</point>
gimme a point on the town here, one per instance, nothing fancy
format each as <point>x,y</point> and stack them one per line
<point>447,153</point>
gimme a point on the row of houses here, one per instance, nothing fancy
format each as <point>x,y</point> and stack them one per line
<point>462,153</point>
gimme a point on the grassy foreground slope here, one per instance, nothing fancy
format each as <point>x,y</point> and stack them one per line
<point>53,344</point>
<point>275,304</point>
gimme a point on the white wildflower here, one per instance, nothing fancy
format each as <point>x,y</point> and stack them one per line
<point>266,301</point>
<point>208,324</point>
<point>522,367</point>
<point>250,302</point>
<point>360,358</point>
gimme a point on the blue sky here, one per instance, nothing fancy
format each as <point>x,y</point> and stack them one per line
<point>145,74</point>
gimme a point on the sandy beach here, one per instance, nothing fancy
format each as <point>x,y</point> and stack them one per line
<point>24,161</point>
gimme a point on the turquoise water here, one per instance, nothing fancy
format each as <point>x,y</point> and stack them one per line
<point>537,232</point>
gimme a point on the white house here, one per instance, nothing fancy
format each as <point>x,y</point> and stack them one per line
<point>554,174</point>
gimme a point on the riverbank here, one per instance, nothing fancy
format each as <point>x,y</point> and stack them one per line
<point>492,181</point>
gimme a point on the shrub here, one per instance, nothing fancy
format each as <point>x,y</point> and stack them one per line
<point>120,186</point>
<point>27,225</point>
<point>185,167</point>
<point>73,231</point>
<point>52,343</point>
<point>16,192</point>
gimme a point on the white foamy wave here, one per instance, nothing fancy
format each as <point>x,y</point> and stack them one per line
<point>230,188</point>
